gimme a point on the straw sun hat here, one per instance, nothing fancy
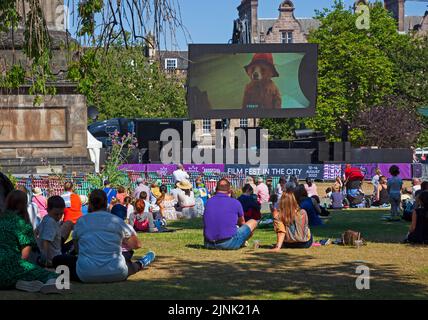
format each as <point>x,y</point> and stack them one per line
<point>184,185</point>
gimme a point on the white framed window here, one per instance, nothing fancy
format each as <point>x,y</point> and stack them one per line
<point>287,36</point>
<point>206,126</point>
<point>243,123</point>
<point>171,64</point>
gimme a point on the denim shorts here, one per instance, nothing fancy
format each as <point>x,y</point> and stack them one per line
<point>236,242</point>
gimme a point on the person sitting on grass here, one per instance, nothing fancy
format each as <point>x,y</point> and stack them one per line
<point>323,212</point>
<point>52,234</point>
<point>280,187</point>
<point>119,211</point>
<point>307,204</point>
<point>221,217</point>
<point>338,184</point>
<point>418,233</point>
<point>127,251</point>
<point>424,187</point>
<point>127,202</point>
<point>110,191</point>
<point>141,219</point>
<point>121,194</point>
<point>148,205</point>
<point>73,204</point>
<point>328,192</point>
<point>336,197</point>
<point>311,187</point>
<point>16,243</point>
<point>291,224</point>
<point>416,186</point>
<point>40,200</point>
<point>249,203</point>
<point>141,186</point>
<point>186,200</point>
<point>203,191</point>
<point>98,240</point>
<point>166,203</point>
<point>382,196</point>
<point>262,191</point>
<point>394,186</point>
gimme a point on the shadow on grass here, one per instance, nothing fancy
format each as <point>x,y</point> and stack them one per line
<point>265,276</point>
<point>196,223</point>
<point>368,222</point>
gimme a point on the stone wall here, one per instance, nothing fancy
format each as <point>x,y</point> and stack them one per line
<point>55,131</point>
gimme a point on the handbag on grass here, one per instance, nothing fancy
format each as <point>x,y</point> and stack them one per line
<point>349,238</point>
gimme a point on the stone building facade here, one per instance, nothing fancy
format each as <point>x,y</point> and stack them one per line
<point>52,135</point>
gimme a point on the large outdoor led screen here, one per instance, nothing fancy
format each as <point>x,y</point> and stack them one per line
<point>252,81</point>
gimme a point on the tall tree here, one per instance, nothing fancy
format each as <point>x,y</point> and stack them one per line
<point>99,24</point>
<point>124,83</point>
<point>358,68</point>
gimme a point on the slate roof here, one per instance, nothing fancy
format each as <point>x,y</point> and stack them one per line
<point>309,23</point>
<point>181,56</point>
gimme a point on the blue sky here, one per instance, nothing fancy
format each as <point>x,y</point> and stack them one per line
<point>211,21</point>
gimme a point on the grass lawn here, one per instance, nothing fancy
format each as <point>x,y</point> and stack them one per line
<point>184,270</point>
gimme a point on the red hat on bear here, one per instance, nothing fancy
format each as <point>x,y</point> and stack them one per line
<point>266,58</point>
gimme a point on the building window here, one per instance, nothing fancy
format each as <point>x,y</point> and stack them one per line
<point>243,123</point>
<point>171,64</point>
<point>287,37</point>
<point>206,126</point>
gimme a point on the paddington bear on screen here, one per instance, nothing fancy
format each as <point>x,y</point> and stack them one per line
<point>262,92</point>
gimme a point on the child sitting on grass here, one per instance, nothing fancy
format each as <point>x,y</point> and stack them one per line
<point>141,220</point>
<point>50,233</point>
<point>336,198</point>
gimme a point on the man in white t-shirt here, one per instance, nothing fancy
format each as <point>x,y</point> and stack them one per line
<point>99,237</point>
<point>180,174</point>
<point>416,186</point>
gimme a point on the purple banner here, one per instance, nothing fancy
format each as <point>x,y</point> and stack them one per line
<point>133,167</point>
<point>204,168</point>
<point>167,169</point>
<point>405,170</point>
<point>370,169</point>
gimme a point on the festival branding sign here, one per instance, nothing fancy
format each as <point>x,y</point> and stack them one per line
<point>313,171</point>
<point>369,169</point>
<point>167,169</point>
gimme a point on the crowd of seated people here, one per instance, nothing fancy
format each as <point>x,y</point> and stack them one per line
<point>38,233</point>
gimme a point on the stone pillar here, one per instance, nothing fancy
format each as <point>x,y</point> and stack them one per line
<point>54,14</point>
<point>396,7</point>
<point>53,11</point>
<point>248,10</point>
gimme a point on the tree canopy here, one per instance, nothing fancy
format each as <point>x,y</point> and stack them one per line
<point>124,83</point>
<point>359,69</point>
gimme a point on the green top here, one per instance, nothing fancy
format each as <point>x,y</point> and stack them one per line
<point>15,233</point>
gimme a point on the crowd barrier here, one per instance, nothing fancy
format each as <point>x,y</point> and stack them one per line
<point>210,174</point>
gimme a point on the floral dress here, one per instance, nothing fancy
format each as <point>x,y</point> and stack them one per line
<point>168,209</point>
<point>15,235</point>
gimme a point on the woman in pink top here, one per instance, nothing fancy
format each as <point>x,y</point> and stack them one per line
<point>311,187</point>
<point>121,195</point>
<point>40,201</point>
<point>262,191</point>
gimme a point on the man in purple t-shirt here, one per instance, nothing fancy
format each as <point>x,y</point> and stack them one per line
<point>221,217</point>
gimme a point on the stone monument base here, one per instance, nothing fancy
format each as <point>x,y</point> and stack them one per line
<point>50,136</point>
